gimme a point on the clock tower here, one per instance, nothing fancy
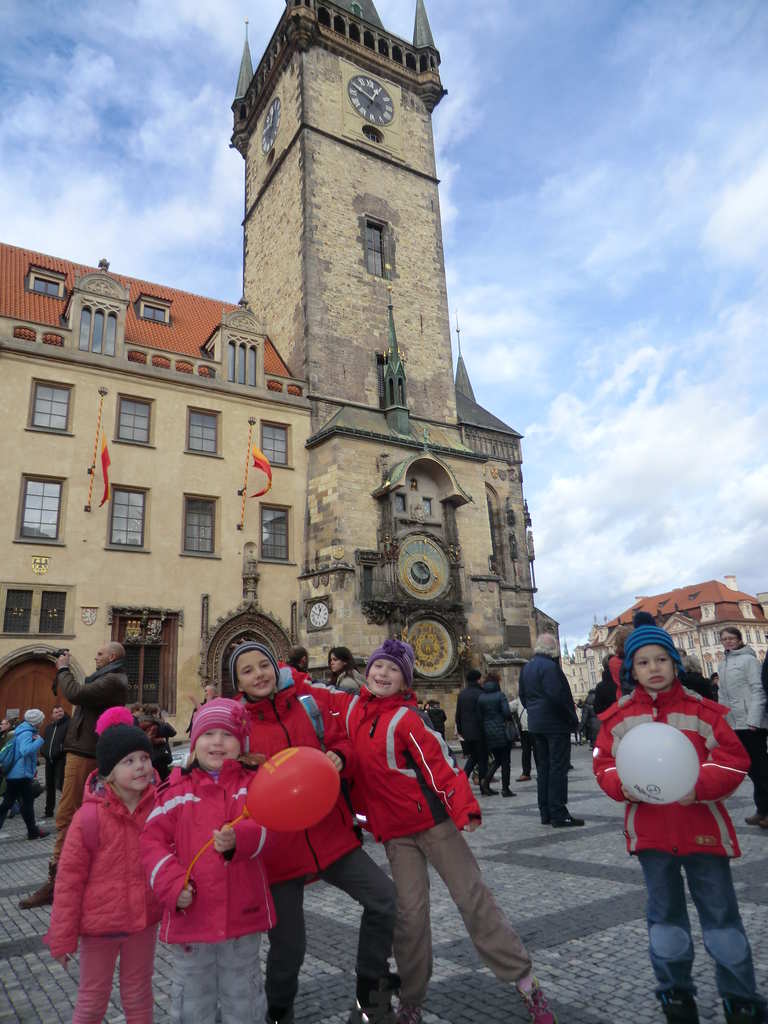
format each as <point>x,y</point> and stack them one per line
<point>344,269</point>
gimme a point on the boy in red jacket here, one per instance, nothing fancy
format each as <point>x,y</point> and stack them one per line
<point>695,834</point>
<point>214,918</point>
<point>417,802</point>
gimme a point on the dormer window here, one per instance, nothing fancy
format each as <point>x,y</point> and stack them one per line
<point>153,309</point>
<point>357,10</point>
<point>746,609</point>
<point>46,282</point>
<point>707,612</point>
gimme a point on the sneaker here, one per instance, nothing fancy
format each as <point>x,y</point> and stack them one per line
<point>409,1014</point>
<point>568,822</point>
<point>679,1007</point>
<point>523,778</point>
<point>536,1004</point>
<point>40,834</point>
<point>744,1011</point>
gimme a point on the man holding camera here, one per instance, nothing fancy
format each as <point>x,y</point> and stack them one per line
<point>107,687</point>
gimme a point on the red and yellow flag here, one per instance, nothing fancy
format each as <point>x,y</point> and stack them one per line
<point>105,464</point>
<point>260,461</point>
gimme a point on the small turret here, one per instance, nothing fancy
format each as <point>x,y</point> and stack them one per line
<point>246,69</point>
<point>422,33</point>
<point>395,402</point>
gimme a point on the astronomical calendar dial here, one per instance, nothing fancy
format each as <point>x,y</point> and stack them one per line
<point>432,648</point>
<point>319,615</point>
<point>271,125</point>
<point>423,568</point>
<point>371,100</point>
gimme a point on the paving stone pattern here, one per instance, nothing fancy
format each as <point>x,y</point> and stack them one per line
<point>575,896</point>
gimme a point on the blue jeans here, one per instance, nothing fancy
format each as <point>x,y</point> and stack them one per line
<point>669,928</point>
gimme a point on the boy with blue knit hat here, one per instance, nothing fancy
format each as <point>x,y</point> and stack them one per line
<point>694,835</point>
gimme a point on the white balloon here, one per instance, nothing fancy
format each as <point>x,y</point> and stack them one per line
<point>657,763</point>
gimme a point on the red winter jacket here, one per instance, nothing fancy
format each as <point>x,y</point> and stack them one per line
<point>701,827</point>
<point>281,721</point>
<point>405,779</point>
<point>102,891</point>
<point>232,896</point>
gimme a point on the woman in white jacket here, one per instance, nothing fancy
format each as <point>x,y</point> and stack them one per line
<point>741,689</point>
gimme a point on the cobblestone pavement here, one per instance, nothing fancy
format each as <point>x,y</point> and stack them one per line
<point>574,895</point>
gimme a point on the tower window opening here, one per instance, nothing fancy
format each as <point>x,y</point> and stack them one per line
<point>372,134</point>
<point>410,61</point>
<point>381,362</point>
<point>397,54</point>
<point>242,112</point>
<point>339,25</point>
<point>384,47</point>
<point>354,33</point>
<point>401,390</point>
<point>369,41</point>
<point>391,392</point>
<point>423,63</point>
<point>374,243</point>
<point>323,16</point>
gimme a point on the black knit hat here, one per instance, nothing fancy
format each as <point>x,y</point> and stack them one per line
<point>117,742</point>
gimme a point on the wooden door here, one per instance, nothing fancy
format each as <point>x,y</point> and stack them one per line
<point>28,685</point>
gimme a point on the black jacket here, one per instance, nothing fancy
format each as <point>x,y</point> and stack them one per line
<point>547,697</point>
<point>495,712</point>
<point>53,739</point>
<point>469,724</point>
<point>107,687</point>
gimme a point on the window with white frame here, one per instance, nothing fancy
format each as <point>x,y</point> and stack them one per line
<point>41,508</point>
<point>274,533</point>
<point>50,406</point>
<point>128,513</point>
<point>199,526</point>
<point>274,443</point>
<point>202,433</point>
<point>133,420</point>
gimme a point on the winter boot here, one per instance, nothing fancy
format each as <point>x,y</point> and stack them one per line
<point>506,791</point>
<point>43,896</point>
<point>373,1003</point>
<point>409,1014</point>
<point>536,1003</point>
<point>744,1011</point>
<point>679,1007</point>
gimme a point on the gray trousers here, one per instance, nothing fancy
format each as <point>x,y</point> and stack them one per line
<point>444,847</point>
<point>227,974</point>
<point>358,876</point>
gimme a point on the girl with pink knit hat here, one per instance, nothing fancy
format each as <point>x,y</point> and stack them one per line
<point>216,905</point>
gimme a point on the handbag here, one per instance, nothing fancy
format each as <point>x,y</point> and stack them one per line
<point>512,731</point>
<point>37,788</point>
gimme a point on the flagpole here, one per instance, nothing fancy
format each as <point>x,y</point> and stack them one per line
<point>244,492</point>
<point>92,468</point>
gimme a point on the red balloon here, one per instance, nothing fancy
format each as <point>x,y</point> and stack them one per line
<point>293,790</point>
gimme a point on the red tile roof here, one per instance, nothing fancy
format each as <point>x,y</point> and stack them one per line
<point>193,317</point>
<point>689,600</point>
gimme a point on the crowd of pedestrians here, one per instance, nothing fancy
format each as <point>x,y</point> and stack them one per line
<point>130,828</point>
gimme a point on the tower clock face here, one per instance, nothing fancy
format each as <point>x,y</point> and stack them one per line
<point>319,614</point>
<point>423,568</point>
<point>271,125</point>
<point>371,100</point>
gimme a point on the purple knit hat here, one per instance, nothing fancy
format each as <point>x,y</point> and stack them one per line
<point>221,713</point>
<point>399,653</point>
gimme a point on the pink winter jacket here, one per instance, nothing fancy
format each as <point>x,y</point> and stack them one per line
<point>232,895</point>
<point>101,888</point>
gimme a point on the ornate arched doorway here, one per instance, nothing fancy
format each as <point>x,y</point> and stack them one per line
<point>26,676</point>
<point>245,624</point>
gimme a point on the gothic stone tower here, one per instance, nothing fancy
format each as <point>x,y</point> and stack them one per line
<point>342,242</point>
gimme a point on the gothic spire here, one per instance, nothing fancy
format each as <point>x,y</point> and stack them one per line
<point>246,69</point>
<point>395,402</point>
<point>463,385</point>
<point>422,33</point>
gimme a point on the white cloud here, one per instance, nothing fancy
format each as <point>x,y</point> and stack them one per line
<point>738,227</point>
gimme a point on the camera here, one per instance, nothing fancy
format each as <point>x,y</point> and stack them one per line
<point>61,650</point>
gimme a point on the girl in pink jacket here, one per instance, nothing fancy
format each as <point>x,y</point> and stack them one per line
<point>101,895</point>
<point>214,914</point>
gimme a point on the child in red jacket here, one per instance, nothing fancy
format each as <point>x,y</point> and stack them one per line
<point>695,834</point>
<point>417,802</point>
<point>101,894</point>
<point>284,710</point>
<point>215,919</point>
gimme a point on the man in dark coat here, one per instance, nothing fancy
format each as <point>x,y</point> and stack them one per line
<point>107,687</point>
<point>53,752</point>
<point>469,725</point>
<point>552,717</point>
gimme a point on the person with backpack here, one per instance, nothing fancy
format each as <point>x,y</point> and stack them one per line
<point>18,762</point>
<point>286,711</point>
<point>102,899</point>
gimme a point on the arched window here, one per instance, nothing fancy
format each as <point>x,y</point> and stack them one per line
<point>357,10</point>
<point>85,329</point>
<point>410,61</point>
<point>401,390</point>
<point>231,360</point>
<point>109,343</point>
<point>243,111</point>
<point>496,561</point>
<point>252,366</point>
<point>384,47</point>
<point>339,25</point>
<point>391,392</point>
<point>98,331</point>
<point>423,63</point>
<point>354,33</point>
<point>369,41</point>
<point>397,54</point>
<point>323,16</point>
<point>241,365</point>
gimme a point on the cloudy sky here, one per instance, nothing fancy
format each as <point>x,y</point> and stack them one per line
<point>605,197</point>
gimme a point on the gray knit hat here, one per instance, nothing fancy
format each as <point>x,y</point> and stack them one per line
<point>34,716</point>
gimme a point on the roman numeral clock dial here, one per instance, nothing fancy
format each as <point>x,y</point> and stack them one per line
<point>371,100</point>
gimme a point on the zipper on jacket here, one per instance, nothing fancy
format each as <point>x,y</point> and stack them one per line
<point>373,727</point>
